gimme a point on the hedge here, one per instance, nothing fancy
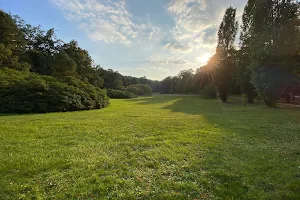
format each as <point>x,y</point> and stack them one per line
<point>24,92</point>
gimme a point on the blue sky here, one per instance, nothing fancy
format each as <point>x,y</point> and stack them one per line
<point>152,38</point>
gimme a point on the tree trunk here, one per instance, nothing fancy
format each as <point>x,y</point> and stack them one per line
<point>223,96</point>
<point>250,100</point>
<point>287,98</point>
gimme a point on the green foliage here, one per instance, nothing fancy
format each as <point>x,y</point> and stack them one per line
<point>10,34</point>
<point>223,78</point>
<point>9,60</point>
<point>63,65</point>
<point>120,94</point>
<point>140,89</point>
<point>223,63</point>
<point>129,80</point>
<point>209,91</point>
<point>271,38</point>
<point>112,79</point>
<point>186,82</point>
<point>166,85</point>
<point>23,92</point>
<point>41,62</point>
<point>244,75</point>
<point>227,30</point>
<point>269,83</point>
<point>84,64</point>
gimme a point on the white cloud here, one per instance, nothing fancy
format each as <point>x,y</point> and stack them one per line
<point>178,47</point>
<point>105,20</point>
<point>198,20</point>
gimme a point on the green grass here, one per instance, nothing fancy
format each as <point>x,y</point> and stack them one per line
<point>162,147</point>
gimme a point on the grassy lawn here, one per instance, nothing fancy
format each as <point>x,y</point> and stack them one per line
<point>162,147</point>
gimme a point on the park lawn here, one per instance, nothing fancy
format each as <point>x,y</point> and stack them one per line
<point>161,147</point>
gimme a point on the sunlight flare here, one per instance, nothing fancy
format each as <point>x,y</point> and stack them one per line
<point>204,58</point>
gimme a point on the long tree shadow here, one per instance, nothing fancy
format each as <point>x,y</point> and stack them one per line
<point>248,137</point>
<point>155,100</point>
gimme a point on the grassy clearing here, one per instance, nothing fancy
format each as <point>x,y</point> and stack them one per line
<point>163,147</point>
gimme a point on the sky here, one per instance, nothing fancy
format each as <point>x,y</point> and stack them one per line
<point>152,38</point>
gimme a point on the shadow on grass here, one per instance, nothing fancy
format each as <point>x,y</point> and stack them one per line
<point>194,104</point>
<point>247,137</point>
<point>155,99</point>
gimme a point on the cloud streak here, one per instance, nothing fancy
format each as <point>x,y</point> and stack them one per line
<point>106,21</point>
<point>177,47</point>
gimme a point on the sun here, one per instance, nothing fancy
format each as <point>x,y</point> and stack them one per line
<point>204,58</point>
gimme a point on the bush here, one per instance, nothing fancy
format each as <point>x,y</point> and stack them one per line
<point>223,93</point>
<point>120,94</point>
<point>140,89</point>
<point>23,92</point>
<point>209,91</point>
<point>269,81</point>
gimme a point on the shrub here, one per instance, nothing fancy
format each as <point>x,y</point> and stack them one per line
<point>209,91</point>
<point>268,82</point>
<point>223,92</point>
<point>120,94</point>
<point>24,92</point>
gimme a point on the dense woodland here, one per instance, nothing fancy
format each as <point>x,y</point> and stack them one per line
<point>41,73</point>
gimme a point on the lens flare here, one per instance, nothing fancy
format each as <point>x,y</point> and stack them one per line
<point>204,58</point>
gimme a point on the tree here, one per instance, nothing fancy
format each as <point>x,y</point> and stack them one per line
<point>82,59</point>
<point>96,78</point>
<point>41,46</point>
<point>140,89</point>
<point>63,65</point>
<point>112,79</point>
<point>9,60</point>
<point>244,73</point>
<point>227,31</point>
<point>185,81</point>
<point>10,35</point>
<point>12,43</point>
<point>224,59</point>
<point>273,39</point>
<point>166,85</point>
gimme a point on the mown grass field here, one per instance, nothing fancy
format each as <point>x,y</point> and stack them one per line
<point>162,147</point>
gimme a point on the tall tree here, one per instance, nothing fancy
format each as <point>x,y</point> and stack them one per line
<point>223,62</point>
<point>41,46</point>
<point>274,43</point>
<point>63,65</point>
<point>12,43</point>
<point>10,34</point>
<point>82,59</point>
<point>244,73</point>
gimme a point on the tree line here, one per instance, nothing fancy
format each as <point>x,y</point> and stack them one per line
<point>267,64</point>
<point>41,73</point>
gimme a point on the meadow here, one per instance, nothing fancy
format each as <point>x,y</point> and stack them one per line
<point>160,147</point>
